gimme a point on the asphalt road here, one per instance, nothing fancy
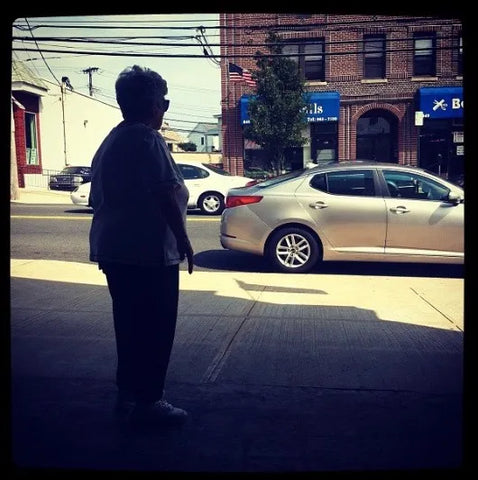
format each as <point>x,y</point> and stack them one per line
<point>59,232</point>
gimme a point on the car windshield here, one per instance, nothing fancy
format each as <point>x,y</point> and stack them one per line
<point>217,170</point>
<point>281,178</point>
<point>70,170</point>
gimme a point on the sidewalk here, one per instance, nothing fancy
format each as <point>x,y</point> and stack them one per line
<point>42,196</point>
<point>278,374</point>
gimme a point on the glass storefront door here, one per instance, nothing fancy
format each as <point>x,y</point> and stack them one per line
<point>323,142</point>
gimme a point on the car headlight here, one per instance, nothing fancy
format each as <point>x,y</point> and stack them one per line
<point>52,180</point>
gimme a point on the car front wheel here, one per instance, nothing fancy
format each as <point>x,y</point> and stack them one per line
<point>293,250</point>
<point>211,203</point>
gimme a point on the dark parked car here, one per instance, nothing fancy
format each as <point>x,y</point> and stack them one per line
<point>70,178</point>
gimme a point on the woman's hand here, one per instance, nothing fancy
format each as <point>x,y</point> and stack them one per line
<point>186,251</point>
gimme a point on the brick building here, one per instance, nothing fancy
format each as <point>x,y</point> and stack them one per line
<point>27,90</point>
<point>388,88</point>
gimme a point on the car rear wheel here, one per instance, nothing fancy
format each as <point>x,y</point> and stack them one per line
<point>211,203</point>
<point>293,250</point>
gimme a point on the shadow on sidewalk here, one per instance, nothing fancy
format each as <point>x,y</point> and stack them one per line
<point>230,260</point>
<point>269,387</point>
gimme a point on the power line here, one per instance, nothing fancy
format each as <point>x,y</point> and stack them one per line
<point>117,41</point>
<point>105,39</point>
<point>207,50</point>
<point>112,27</point>
<point>56,21</point>
<point>284,26</point>
<point>41,54</point>
<point>170,118</point>
<point>225,56</point>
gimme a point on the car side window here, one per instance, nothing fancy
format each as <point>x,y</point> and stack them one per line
<point>353,183</point>
<point>203,173</point>
<point>413,186</point>
<point>319,182</point>
<point>191,172</point>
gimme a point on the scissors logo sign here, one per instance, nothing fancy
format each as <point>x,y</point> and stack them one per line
<point>439,104</point>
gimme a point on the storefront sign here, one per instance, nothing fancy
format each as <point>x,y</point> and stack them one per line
<point>419,119</point>
<point>441,102</point>
<point>458,137</point>
<point>322,107</point>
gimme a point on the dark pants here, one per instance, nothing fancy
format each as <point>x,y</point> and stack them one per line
<point>145,307</point>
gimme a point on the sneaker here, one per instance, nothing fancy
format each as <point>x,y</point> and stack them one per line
<point>160,412</point>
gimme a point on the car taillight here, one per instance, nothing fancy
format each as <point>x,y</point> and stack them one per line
<point>238,200</point>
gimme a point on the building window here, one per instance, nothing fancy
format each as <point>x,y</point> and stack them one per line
<point>309,56</point>
<point>374,56</point>
<point>31,139</point>
<point>424,54</point>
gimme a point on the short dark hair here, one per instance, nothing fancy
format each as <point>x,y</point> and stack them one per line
<point>137,90</point>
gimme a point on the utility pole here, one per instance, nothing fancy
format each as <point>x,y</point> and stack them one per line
<point>90,72</point>
<point>63,84</point>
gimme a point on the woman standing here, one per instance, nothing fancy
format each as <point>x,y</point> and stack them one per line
<point>138,237</point>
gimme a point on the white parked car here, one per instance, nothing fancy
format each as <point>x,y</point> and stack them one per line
<point>81,195</point>
<point>208,186</point>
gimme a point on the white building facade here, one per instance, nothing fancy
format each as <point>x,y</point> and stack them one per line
<point>73,125</point>
<point>53,126</point>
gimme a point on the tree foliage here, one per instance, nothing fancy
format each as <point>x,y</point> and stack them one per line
<point>278,111</point>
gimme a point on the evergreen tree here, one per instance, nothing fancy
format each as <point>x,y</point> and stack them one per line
<point>278,111</point>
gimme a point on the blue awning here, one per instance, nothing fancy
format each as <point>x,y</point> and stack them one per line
<point>322,107</point>
<point>441,102</point>
<point>243,106</point>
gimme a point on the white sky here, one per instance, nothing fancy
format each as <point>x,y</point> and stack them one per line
<point>194,83</point>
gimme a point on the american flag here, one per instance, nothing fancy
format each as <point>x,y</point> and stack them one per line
<point>238,74</point>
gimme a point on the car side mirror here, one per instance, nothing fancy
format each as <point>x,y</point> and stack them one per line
<point>455,198</point>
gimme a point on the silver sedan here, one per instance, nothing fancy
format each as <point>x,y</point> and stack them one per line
<point>350,211</point>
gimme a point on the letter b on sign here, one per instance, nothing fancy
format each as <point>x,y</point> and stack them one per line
<point>456,103</point>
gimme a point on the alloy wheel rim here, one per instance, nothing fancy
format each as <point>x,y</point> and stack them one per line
<point>293,251</point>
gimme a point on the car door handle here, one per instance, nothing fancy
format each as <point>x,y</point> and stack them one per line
<point>400,209</point>
<point>318,205</point>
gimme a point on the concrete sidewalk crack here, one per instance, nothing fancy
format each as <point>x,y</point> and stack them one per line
<point>436,309</point>
<point>220,359</point>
